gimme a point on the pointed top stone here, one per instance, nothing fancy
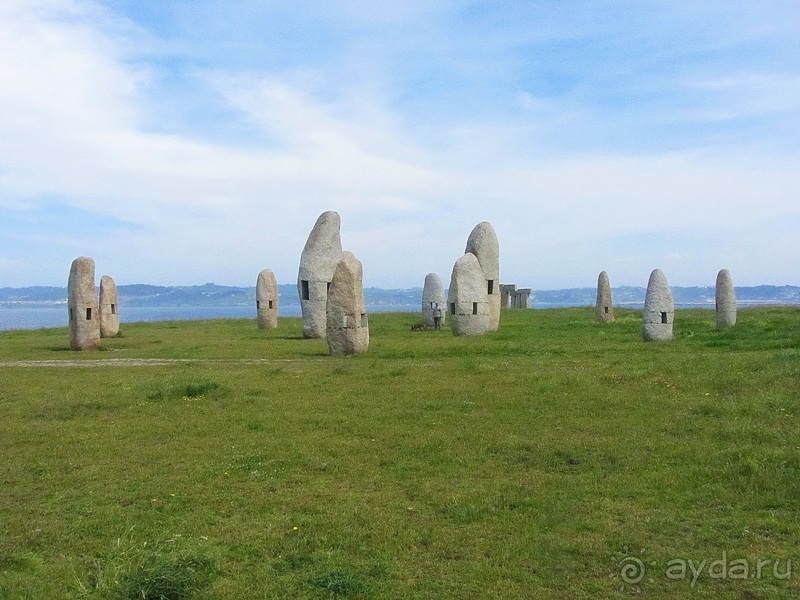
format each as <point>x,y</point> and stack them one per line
<point>604,309</point>
<point>659,309</point>
<point>482,242</point>
<point>320,255</point>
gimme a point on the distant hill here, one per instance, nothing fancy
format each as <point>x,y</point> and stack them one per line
<point>211,294</point>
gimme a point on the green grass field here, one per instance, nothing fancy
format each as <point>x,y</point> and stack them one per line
<point>554,458</point>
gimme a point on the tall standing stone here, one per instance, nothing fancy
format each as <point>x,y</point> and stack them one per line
<point>317,263</point>
<point>267,300</point>
<point>604,309</point>
<point>84,321</point>
<point>482,242</point>
<point>432,298</point>
<point>109,308</point>
<point>346,316</point>
<point>467,300</point>
<point>726,300</point>
<point>659,309</point>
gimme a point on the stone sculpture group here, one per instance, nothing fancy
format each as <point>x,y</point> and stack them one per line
<point>90,318</point>
<point>331,290</point>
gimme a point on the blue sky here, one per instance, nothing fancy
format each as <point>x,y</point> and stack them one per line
<point>193,141</point>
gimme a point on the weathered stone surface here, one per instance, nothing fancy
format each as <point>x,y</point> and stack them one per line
<point>604,309</point>
<point>506,294</point>
<point>659,309</point>
<point>482,242</point>
<point>317,263</point>
<point>467,300</point>
<point>726,300</point>
<point>109,308</point>
<point>267,300</point>
<point>433,298</point>
<point>84,321</point>
<point>346,315</point>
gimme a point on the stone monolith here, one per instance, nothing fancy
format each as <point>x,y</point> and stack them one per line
<point>84,321</point>
<point>659,309</point>
<point>432,298</point>
<point>604,309</point>
<point>267,300</point>
<point>317,263</point>
<point>109,308</point>
<point>482,242</point>
<point>467,300</point>
<point>346,316</point>
<point>726,300</point>
<point>521,298</point>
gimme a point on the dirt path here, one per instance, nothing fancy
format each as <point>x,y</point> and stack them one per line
<point>149,362</point>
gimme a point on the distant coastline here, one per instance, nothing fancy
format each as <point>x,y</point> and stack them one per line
<point>38,307</point>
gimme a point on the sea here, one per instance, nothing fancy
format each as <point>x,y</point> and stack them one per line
<point>48,316</point>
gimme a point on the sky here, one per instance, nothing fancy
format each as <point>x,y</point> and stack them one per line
<point>182,142</point>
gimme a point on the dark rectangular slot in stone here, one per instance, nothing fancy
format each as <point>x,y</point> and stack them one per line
<point>258,304</point>
<point>474,308</point>
<point>304,289</point>
<point>663,317</point>
<point>113,309</point>
<point>364,322</point>
<point>605,309</point>
<point>71,315</point>
<point>270,304</point>
<point>490,287</point>
<point>88,314</point>
<point>452,308</point>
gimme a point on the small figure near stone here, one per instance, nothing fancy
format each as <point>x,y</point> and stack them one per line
<point>317,263</point>
<point>437,318</point>
<point>109,308</point>
<point>604,309</point>
<point>659,309</point>
<point>726,300</point>
<point>482,242</point>
<point>467,300</point>
<point>346,316</point>
<point>432,297</point>
<point>84,320</point>
<point>267,300</point>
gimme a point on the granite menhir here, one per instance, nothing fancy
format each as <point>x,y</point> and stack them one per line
<point>109,308</point>
<point>267,300</point>
<point>433,298</point>
<point>346,316</point>
<point>604,309</point>
<point>482,242</point>
<point>84,321</point>
<point>726,300</point>
<point>467,300</point>
<point>320,256</point>
<point>659,309</point>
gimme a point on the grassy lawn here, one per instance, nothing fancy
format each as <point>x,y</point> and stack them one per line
<point>550,459</point>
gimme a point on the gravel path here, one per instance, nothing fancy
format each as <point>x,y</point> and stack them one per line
<point>148,362</point>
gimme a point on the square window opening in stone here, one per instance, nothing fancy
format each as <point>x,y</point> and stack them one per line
<point>270,304</point>
<point>663,316</point>
<point>89,314</point>
<point>452,308</point>
<point>605,309</point>
<point>490,286</point>
<point>433,305</point>
<point>364,322</point>
<point>304,289</point>
<point>474,308</point>
<point>113,309</point>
